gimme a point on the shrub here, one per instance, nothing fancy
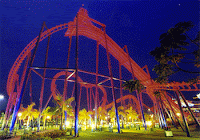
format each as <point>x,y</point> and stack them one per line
<point>45,135</point>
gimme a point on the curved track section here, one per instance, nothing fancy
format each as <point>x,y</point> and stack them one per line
<point>26,51</point>
<point>63,73</point>
<point>125,98</point>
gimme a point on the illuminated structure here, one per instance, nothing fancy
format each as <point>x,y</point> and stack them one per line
<point>85,26</point>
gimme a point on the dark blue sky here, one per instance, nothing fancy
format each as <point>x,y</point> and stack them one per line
<point>137,24</point>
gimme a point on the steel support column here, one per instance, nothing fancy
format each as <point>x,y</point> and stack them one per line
<point>173,112</point>
<point>189,109</point>
<point>112,82</point>
<point>183,116</point>
<point>25,82</point>
<point>43,81</point>
<point>96,87</point>
<point>76,81</point>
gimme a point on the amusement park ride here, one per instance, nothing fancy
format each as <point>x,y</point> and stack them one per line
<point>82,25</point>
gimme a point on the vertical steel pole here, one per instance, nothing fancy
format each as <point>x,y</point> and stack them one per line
<point>141,107</point>
<point>121,92</point>
<point>43,81</point>
<point>120,77</point>
<point>183,116</point>
<point>67,66</point>
<point>11,98</point>
<point>173,112</point>
<point>112,82</point>
<point>7,115</point>
<point>25,82</point>
<point>87,98</point>
<point>31,91</point>
<point>90,98</point>
<point>162,112</point>
<point>159,114</point>
<point>189,109</point>
<point>76,80</point>
<point>166,110</point>
<point>96,87</point>
<point>48,101</point>
<point>9,106</point>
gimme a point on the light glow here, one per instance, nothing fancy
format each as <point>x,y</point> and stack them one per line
<point>1,97</point>
<point>93,125</point>
<point>149,123</point>
<point>67,123</point>
<point>178,114</point>
<point>19,114</point>
<point>198,95</point>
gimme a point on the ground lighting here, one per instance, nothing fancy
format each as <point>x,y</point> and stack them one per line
<point>149,123</point>
<point>19,114</point>
<point>1,97</point>
<point>67,123</point>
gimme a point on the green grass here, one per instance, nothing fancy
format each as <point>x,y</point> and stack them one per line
<point>127,134</point>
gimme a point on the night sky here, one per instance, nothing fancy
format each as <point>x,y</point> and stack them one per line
<point>137,24</point>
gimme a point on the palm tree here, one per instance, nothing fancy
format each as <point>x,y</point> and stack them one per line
<point>122,114</point>
<point>101,114</point>
<point>45,114</point>
<point>112,115</point>
<point>65,106</point>
<point>30,113</point>
<point>131,114</point>
<point>83,116</point>
<point>135,85</point>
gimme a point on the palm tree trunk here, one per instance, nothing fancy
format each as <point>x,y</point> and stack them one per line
<point>122,121</point>
<point>141,109</point>
<point>44,124</point>
<point>27,124</point>
<point>85,123</point>
<point>61,120</point>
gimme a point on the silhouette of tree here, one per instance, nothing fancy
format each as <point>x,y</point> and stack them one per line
<point>177,50</point>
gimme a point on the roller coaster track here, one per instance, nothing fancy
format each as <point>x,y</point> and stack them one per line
<point>88,29</point>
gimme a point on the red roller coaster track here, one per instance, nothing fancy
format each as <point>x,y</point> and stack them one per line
<point>88,29</point>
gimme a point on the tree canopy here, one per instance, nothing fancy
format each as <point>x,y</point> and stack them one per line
<point>177,49</point>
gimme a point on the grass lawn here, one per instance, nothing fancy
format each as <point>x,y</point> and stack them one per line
<point>127,134</point>
<point>157,134</point>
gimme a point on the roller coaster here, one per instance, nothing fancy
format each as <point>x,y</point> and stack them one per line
<point>96,92</point>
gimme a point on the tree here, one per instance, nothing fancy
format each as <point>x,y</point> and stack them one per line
<point>84,116</point>
<point>177,50</point>
<point>122,114</point>
<point>65,106</point>
<point>45,113</point>
<point>30,113</point>
<point>135,85</point>
<point>101,114</point>
<point>131,114</point>
<point>112,115</point>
